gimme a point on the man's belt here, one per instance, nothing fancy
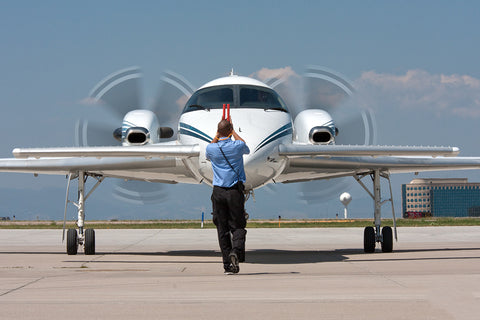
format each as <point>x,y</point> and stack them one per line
<point>238,186</point>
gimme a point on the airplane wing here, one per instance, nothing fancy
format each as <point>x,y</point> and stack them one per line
<point>160,150</point>
<point>314,162</point>
<point>159,163</point>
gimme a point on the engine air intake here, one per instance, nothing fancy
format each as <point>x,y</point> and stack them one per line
<point>137,136</point>
<point>321,135</point>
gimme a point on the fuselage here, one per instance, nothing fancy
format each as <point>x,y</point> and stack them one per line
<point>258,115</point>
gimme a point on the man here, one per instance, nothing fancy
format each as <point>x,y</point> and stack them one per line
<point>228,199</point>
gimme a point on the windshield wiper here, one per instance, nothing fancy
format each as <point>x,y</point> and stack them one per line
<point>274,108</point>
<point>198,107</point>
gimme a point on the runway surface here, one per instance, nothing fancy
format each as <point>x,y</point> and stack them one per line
<point>433,273</point>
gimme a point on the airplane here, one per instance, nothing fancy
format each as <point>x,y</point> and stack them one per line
<point>286,147</point>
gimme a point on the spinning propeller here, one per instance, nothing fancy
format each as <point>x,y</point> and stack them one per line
<point>115,96</point>
<point>321,88</point>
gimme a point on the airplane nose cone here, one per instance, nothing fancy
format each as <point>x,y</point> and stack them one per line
<point>258,171</point>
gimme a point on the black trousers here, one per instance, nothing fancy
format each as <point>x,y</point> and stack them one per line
<point>229,217</point>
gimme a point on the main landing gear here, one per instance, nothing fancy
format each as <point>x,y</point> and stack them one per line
<point>83,237</point>
<point>374,235</point>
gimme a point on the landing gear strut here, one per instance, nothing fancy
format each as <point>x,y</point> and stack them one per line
<point>80,236</point>
<point>373,235</point>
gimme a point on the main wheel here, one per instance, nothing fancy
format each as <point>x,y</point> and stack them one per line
<point>369,240</point>
<point>89,241</point>
<point>387,243</point>
<point>72,242</point>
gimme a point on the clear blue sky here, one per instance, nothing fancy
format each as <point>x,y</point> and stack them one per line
<point>415,61</point>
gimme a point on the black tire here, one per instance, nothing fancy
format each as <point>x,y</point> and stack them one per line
<point>89,242</point>
<point>387,243</point>
<point>72,242</point>
<point>369,240</point>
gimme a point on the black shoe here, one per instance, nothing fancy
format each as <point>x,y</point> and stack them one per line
<point>229,270</point>
<point>234,262</point>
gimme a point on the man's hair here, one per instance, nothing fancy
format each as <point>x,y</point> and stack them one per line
<point>224,128</point>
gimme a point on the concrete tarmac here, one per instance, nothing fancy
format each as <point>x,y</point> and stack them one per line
<point>433,273</point>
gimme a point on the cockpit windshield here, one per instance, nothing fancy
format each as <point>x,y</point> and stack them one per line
<point>210,98</point>
<point>237,96</point>
<point>252,97</point>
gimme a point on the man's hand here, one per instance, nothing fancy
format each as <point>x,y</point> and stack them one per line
<point>236,136</point>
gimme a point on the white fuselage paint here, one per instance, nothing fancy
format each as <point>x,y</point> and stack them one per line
<point>255,126</point>
<point>263,130</point>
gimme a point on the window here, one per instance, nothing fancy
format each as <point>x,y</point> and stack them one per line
<point>210,98</point>
<point>237,96</point>
<point>260,98</point>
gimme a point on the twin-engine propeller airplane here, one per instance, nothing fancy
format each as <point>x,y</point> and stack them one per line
<point>286,146</point>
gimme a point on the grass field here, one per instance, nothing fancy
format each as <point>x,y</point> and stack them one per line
<point>196,224</point>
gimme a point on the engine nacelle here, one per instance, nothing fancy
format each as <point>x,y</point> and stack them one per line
<point>314,126</point>
<point>140,127</point>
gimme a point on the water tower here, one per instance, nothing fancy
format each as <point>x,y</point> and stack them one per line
<point>345,199</point>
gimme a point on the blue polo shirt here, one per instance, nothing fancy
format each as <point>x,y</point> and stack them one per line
<point>223,175</point>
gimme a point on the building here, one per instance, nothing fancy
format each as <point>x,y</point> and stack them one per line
<point>440,198</point>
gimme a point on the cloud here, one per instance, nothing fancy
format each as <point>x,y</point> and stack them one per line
<point>286,82</point>
<point>280,73</point>
<point>180,102</point>
<point>457,95</point>
<point>439,94</point>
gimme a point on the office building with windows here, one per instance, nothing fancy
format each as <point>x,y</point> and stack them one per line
<point>440,198</point>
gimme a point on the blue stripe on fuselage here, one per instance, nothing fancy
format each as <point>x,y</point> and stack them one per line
<point>281,132</point>
<point>194,132</point>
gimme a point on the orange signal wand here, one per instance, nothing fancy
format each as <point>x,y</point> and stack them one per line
<point>223,116</point>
